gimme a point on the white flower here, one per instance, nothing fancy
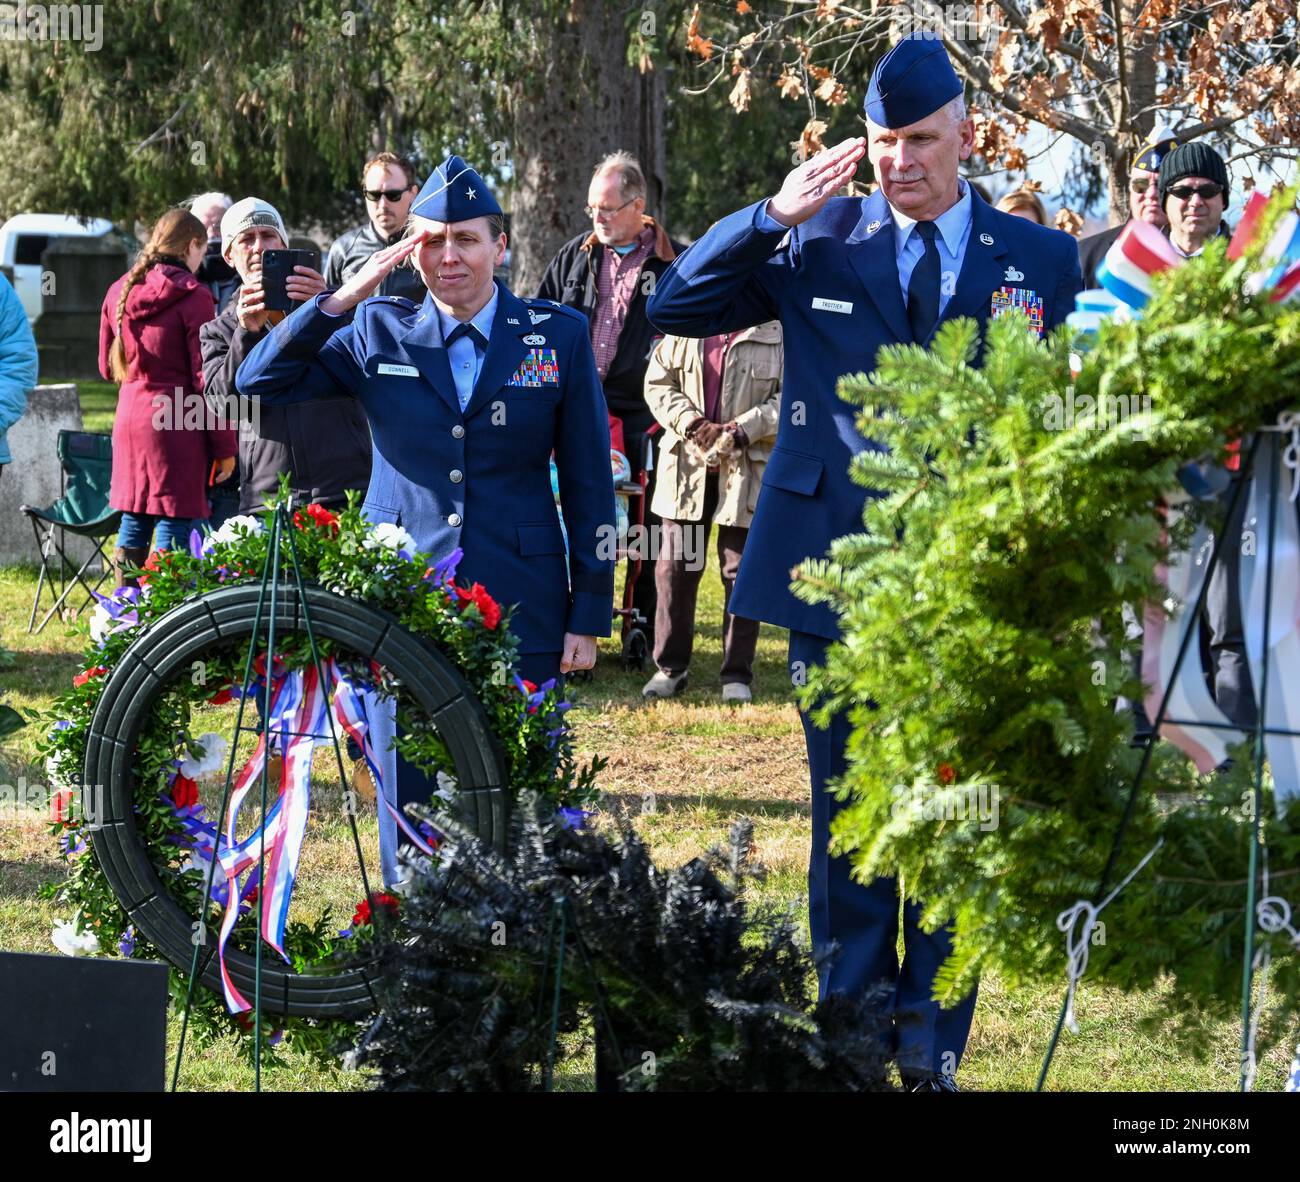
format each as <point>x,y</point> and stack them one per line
<point>388,536</point>
<point>236,527</point>
<point>101,624</point>
<point>71,942</point>
<point>213,760</point>
<point>56,781</point>
<point>447,786</point>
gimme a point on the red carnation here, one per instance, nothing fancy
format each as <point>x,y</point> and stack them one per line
<point>361,917</point>
<point>87,674</point>
<point>61,806</point>
<point>320,515</point>
<point>221,697</point>
<point>488,607</point>
<point>529,686</point>
<point>947,773</point>
<point>153,564</point>
<point>185,792</point>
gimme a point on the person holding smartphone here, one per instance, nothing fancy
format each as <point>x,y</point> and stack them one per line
<point>322,445</point>
<point>468,395</point>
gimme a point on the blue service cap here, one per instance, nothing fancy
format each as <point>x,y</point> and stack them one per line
<point>913,80</point>
<point>454,193</point>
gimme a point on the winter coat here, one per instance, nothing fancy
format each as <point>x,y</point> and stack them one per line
<point>164,437</point>
<point>750,396</point>
<point>323,445</point>
<point>571,280</point>
<point>18,363</point>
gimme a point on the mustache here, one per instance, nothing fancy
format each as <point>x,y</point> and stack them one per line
<point>904,178</point>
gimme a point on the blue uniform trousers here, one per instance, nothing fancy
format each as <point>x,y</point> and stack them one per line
<point>863,919</point>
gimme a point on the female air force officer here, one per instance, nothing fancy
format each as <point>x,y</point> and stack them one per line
<point>467,397</point>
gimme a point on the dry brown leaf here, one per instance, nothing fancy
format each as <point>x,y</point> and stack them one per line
<point>740,93</point>
<point>790,84</point>
<point>1069,221</point>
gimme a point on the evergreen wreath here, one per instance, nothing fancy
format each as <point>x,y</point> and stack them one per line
<point>984,642</point>
<point>341,558</point>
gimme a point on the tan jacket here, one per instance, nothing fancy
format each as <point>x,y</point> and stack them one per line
<point>750,395</point>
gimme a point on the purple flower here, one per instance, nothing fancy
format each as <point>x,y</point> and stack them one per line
<point>276,1036</point>
<point>62,725</point>
<point>126,945</point>
<point>65,843</point>
<point>573,818</point>
<point>445,571</point>
<point>345,934</point>
<point>201,545</point>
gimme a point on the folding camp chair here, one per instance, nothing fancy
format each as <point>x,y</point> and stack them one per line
<point>86,463</point>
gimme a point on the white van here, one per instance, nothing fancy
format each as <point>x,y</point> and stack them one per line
<point>24,237</point>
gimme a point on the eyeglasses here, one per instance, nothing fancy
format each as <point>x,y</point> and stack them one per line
<point>594,211</point>
<point>1139,184</point>
<point>1205,192</point>
<point>393,195</point>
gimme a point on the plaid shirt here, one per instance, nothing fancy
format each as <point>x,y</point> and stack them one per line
<point>615,287</point>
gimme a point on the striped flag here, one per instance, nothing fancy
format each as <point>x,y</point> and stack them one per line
<point>1137,254</point>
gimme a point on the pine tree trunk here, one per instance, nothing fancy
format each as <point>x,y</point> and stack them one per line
<point>582,102</point>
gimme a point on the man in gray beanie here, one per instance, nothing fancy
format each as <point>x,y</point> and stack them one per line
<point>1194,195</point>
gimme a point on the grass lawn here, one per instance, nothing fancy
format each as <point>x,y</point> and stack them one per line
<point>682,771</point>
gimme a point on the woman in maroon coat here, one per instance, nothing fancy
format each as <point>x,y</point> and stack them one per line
<point>165,438</point>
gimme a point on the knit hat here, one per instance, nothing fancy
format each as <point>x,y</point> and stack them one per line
<point>1194,159</point>
<point>251,211</point>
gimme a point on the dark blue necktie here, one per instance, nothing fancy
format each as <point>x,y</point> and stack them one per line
<point>465,328</point>
<point>923,289</point>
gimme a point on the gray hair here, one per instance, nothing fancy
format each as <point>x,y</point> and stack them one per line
<point>956,109</point>
<point>205,200</point>
<point>631,180</point>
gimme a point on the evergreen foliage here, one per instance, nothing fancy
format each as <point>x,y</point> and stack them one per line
<point>702,993</point>
<point>982,613</point>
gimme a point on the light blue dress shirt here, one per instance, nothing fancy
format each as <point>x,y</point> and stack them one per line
<point>954,233</point>
<point>464,356</point>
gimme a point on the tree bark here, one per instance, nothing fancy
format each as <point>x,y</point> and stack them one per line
<point>582,102</point>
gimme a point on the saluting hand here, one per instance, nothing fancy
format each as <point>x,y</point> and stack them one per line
<point>808,187</point>
<point>367,280</point>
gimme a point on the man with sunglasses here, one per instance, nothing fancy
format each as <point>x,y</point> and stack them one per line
<point>388,185</point>
<point>607,274</point>
<point>1144,203</point>
<point>1194,196</point>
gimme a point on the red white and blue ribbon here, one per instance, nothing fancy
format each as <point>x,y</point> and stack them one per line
<point>1139,253</point>
<point>298,720</point>
<point>353,715</point>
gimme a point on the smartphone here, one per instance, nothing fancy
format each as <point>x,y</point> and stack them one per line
<point>277,266</point>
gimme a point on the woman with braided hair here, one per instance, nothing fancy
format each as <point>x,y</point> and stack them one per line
<point>165,439</point>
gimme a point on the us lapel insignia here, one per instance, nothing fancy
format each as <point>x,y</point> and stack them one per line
<point>539,368</point>
<point>1029,302</point>
<point>1014,276</point>
<point>987,239</point>
<point>511,320</point>
<point>534,338</point>
<point>872,227</point>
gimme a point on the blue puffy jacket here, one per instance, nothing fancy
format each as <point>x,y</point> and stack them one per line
<point>17,363</point>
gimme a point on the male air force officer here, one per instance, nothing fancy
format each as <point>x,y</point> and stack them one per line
<point>845,276</point>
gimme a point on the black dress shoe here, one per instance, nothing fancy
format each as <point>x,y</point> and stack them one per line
<point>934,1082</point>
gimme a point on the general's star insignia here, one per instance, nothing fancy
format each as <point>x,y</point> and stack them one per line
<point>470,193</point>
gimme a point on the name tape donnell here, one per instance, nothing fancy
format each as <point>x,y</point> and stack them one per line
<point>399,371</point>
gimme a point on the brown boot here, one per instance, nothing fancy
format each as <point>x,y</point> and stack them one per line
<point>129,558</point>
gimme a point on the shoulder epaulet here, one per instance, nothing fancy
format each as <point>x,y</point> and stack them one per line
<point>550,306</point>
<point>400,301</point>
